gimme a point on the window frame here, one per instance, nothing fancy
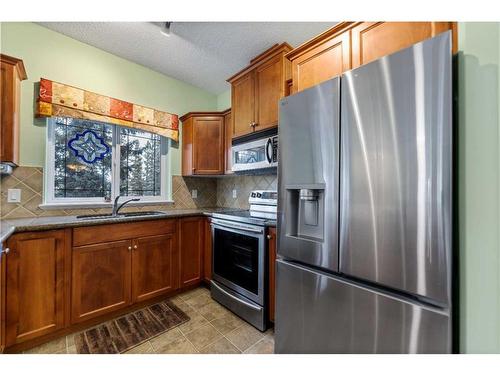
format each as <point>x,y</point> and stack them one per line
<point>51,201</point>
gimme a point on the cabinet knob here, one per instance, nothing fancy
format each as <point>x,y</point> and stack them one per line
<point>269,237</point>
<point>135,246</point>
<point>6,251</point>
<point>130,247</point>
<point>251,124</point>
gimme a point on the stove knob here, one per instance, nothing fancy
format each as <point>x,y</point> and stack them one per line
<point>253,195</point>
<point>259,195</point>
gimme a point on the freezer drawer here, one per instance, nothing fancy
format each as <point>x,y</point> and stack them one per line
<point>396,165</point>
<point>320,313</point>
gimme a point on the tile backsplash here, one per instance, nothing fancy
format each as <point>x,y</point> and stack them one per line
<point>212,192</point>
<point>30,181</point>
<point>243,186</point>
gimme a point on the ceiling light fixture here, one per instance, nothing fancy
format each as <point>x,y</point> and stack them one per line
<point>165,29</point>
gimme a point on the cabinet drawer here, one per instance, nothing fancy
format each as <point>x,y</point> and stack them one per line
<point>122,231</point>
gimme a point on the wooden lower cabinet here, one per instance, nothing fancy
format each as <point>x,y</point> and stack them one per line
<point>154,266</point>
<point>36,275</point>
<point>191,245</point>
<point>207,251</point>
<point>271,247</point>
<point>55,282</point>
<point>101,279</point>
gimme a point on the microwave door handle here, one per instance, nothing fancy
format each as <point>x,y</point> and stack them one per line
<point>269,147</point>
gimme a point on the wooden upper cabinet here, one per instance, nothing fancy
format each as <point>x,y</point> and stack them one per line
<point>11,74</point>
<point>154,266</point>
<point>228,134</point>
<point>349,45</point>
<point>191,250</point>
<point>36,273</point>
<point>202,143</point>
<point>256,90</point>
<point>101,279</point>
<point>269,88</point>
<point>328,57</point>
<point>243,104</point>
<point>372,40</point>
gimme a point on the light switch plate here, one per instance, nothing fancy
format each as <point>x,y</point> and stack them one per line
<point>235,193</point>
<point>194,193</point>
<point>14,195</point>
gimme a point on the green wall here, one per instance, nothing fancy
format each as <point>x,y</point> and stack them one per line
<point>479,186</point>
<point>57,57</point>
<point>224,100</point>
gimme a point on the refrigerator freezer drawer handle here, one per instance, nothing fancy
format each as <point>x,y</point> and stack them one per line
<point>257,308</point>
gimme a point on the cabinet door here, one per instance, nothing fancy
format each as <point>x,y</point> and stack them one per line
<point>9,119</point>
<point>372,40</point>
<point>271,246</point>
<point>154,266</point>
<point>187,147</point>
<point>228,135</point>
<point>35,279</point>
<point>101,279</point>
<point>207,253</point>
<point>269,88</point>
<point>243,105</point>
<point>322,62</point>
<point>191,250</point>
<point>208,145</point>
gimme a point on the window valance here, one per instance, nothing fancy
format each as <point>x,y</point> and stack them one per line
<point>57,99</point>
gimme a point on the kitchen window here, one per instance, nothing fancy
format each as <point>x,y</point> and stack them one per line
<point>89,163</point>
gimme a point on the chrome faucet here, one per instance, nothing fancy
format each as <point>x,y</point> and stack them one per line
<point>117,208</point>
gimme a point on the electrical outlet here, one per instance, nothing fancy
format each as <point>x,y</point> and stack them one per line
<point>14,195</point>
<point>235,193</point>
<point>194,193</point>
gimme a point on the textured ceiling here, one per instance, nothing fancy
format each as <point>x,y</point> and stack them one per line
<point>203,54</point>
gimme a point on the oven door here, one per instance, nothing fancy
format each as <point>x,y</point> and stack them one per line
<point>238,258</point>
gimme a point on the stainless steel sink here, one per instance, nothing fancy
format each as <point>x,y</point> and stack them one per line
<point>125,214</point>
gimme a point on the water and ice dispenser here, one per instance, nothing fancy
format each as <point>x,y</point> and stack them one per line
<point>305,213</point>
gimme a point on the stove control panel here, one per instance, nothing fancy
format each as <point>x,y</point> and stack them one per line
<point>264,197</point>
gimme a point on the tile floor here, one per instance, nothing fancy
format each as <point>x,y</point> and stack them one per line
<point>212,329</point>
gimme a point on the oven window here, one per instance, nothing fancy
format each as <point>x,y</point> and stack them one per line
<point>252,155</point>
<point>236,258</point>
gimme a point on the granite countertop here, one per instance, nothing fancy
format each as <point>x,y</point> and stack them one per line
<point>8,227</point>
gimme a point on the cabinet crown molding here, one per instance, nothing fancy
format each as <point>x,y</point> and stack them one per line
<point>328,34</point>
<point>275,50</point>
<point>18,63</point>
<point>204,114</point>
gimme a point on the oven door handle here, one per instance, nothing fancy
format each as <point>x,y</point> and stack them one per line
<point>252,306</point>
<point>219,224</point>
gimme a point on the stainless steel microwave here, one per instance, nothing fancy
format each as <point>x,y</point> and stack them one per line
<point>255,154</point>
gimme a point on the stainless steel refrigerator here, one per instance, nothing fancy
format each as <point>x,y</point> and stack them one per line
<point>365,204</point>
